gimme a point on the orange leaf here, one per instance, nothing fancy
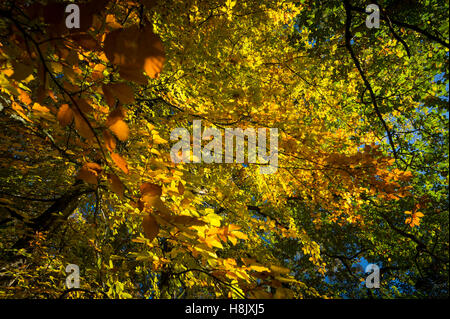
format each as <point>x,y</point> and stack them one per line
<point>39,108</point>
<point>157,204</point>
<point>114,116</point>
<point>94,166</point>
<point>89,173</point>
<point>83,127</point>
<point>120,129</point>
<point>110,141</point>
<point>134,75</point>
<point>65,115</point>
<point>120,162</point>
<point>24,97</point>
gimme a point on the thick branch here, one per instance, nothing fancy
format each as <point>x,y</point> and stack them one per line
<point>65,204</point>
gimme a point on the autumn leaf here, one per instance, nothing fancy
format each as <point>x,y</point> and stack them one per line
<point>65,115</point>
<point>135,49</point>
<point>120,129</point>
<point>150,189</point>
<point>188,221</point>
<point>89,173</point>
<point>121,91</point>
<point>86,41</point>
<point>151,227</point>
<point>110,141</point>
<point>180,188</point>
<point>82,126</point>
<point>279,269</point>
<point>259,268</point>
<point>84,106</point>
<point>120,162</point>
<point>115,115</point>
<point>414,220</point>
<point>116,184</point>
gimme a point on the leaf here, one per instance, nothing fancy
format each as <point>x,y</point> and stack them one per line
<point>134,75</point>
<point>110,141</point>
<point>94,166</point>
<point>116,115</point>
<point>86,41</point>
<point>135,49</point>
<point>83,127</point>
<point>84,106</point>
<point>240,235</point>
<point>188,221</point>
<point>16,106</point>
<point>89,173</point>
<point>120,162</point>
<point>109,96</point>
<point>212,241</point>
<point>213,219</point>
<point>21,71</point>
<point>180,188</point>
<point>24,97</point>
<point>158,205</point>
<point>260,294</point>
<point>116,184</point>
<point>259,268</point>
<point>151,189</point>
<point>122,91</point>
<point>120,129</point>
<point>280,270</point>
<point>65,115</point>
<point>39,108</point>
<point>151,227</point>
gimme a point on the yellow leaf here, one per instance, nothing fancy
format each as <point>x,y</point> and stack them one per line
<point>40,108</point>
<point>259,268</point>
<point>240,235</point>
<point>280,270</point>
<point>212,241</point>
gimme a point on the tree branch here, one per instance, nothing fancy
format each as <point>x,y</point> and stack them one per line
<point>348,45</point>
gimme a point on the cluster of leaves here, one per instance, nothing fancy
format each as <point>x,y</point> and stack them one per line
<point>86,175</point>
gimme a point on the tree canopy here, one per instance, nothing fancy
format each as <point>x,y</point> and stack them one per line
<point>87,178</point>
